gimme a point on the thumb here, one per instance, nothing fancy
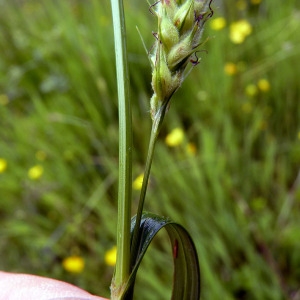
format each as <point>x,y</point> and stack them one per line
<point>22,286</point>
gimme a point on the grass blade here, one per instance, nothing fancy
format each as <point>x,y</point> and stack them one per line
<point>186,281</point>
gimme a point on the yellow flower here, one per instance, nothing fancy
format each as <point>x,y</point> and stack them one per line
<point>111,256</point>
<point>73,264</point>
<point>35,172</point>
<point>263,85</point>
<point>175,137</point>
<point>3,99</point>
<point>137,183</point>
<point>217,23</point>
<point>255,2</point>
<point>230,68</point>
<point>251,90</point>
<point>239,31</point>
<point>3,165</point>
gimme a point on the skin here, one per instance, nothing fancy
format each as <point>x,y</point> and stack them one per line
<point>22,286</point>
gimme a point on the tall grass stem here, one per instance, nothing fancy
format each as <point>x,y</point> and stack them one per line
<point>156,126</point>
<point>125,153</point>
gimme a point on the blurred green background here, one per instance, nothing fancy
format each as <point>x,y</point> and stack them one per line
<point>232,180</point>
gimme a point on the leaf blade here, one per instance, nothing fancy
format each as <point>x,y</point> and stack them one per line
<point>186,278</point>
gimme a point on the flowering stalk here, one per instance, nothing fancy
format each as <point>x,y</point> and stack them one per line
<point>180,28</point>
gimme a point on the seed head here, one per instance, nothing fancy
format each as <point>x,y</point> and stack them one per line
<point>168,34</point>
<point>184,16</point>
<point>180,28</point>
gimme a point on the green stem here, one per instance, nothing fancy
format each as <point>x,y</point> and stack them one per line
<point>122,269</point>
<point>156,126</point>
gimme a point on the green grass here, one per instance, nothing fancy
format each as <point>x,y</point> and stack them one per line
<point>239,196</point>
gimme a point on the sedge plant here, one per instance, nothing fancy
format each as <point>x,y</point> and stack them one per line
<point>174,53</point>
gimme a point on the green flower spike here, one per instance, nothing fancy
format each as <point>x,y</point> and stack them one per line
<point>180,28</point>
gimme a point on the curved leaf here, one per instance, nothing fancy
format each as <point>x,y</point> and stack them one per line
<point>186,280</point>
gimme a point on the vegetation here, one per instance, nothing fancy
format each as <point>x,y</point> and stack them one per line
<point>229,172</point>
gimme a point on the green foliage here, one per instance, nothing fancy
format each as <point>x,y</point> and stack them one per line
<point>186,278</point>
<point>238,195</point>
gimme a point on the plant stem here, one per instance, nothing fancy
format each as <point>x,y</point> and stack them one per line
<point>156,126</point>
<point>125,153</point>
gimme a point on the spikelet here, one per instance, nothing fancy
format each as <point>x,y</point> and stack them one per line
<point>180,28</point>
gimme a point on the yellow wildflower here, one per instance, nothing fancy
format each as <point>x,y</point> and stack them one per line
<point>111,256</point>
<point>239,31</point>
<point>3,99</point>
<point>3,165</point>
<point>73,264</point>
<point>263,85</point>
<point>251,90</point>
<point>175,137</point>
<point>230,68</point>
<point>137,183</point>
<point>218,23</point>
<point>35,172</point>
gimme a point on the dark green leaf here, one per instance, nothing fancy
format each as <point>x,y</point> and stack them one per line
<point>186,280</point>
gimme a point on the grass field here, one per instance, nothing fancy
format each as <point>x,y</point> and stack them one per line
<point>232,177</point>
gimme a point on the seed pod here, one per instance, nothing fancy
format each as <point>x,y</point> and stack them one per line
<point>197,34</point>
<point>170,6</point>
<point>161,79</point>
<point>184,17</point>
<point>179,54</point>
<point>164,83</point>
<point>156,101</point>
<point>161,76</point>
<point>199,6</point>
<point>168,33</point>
